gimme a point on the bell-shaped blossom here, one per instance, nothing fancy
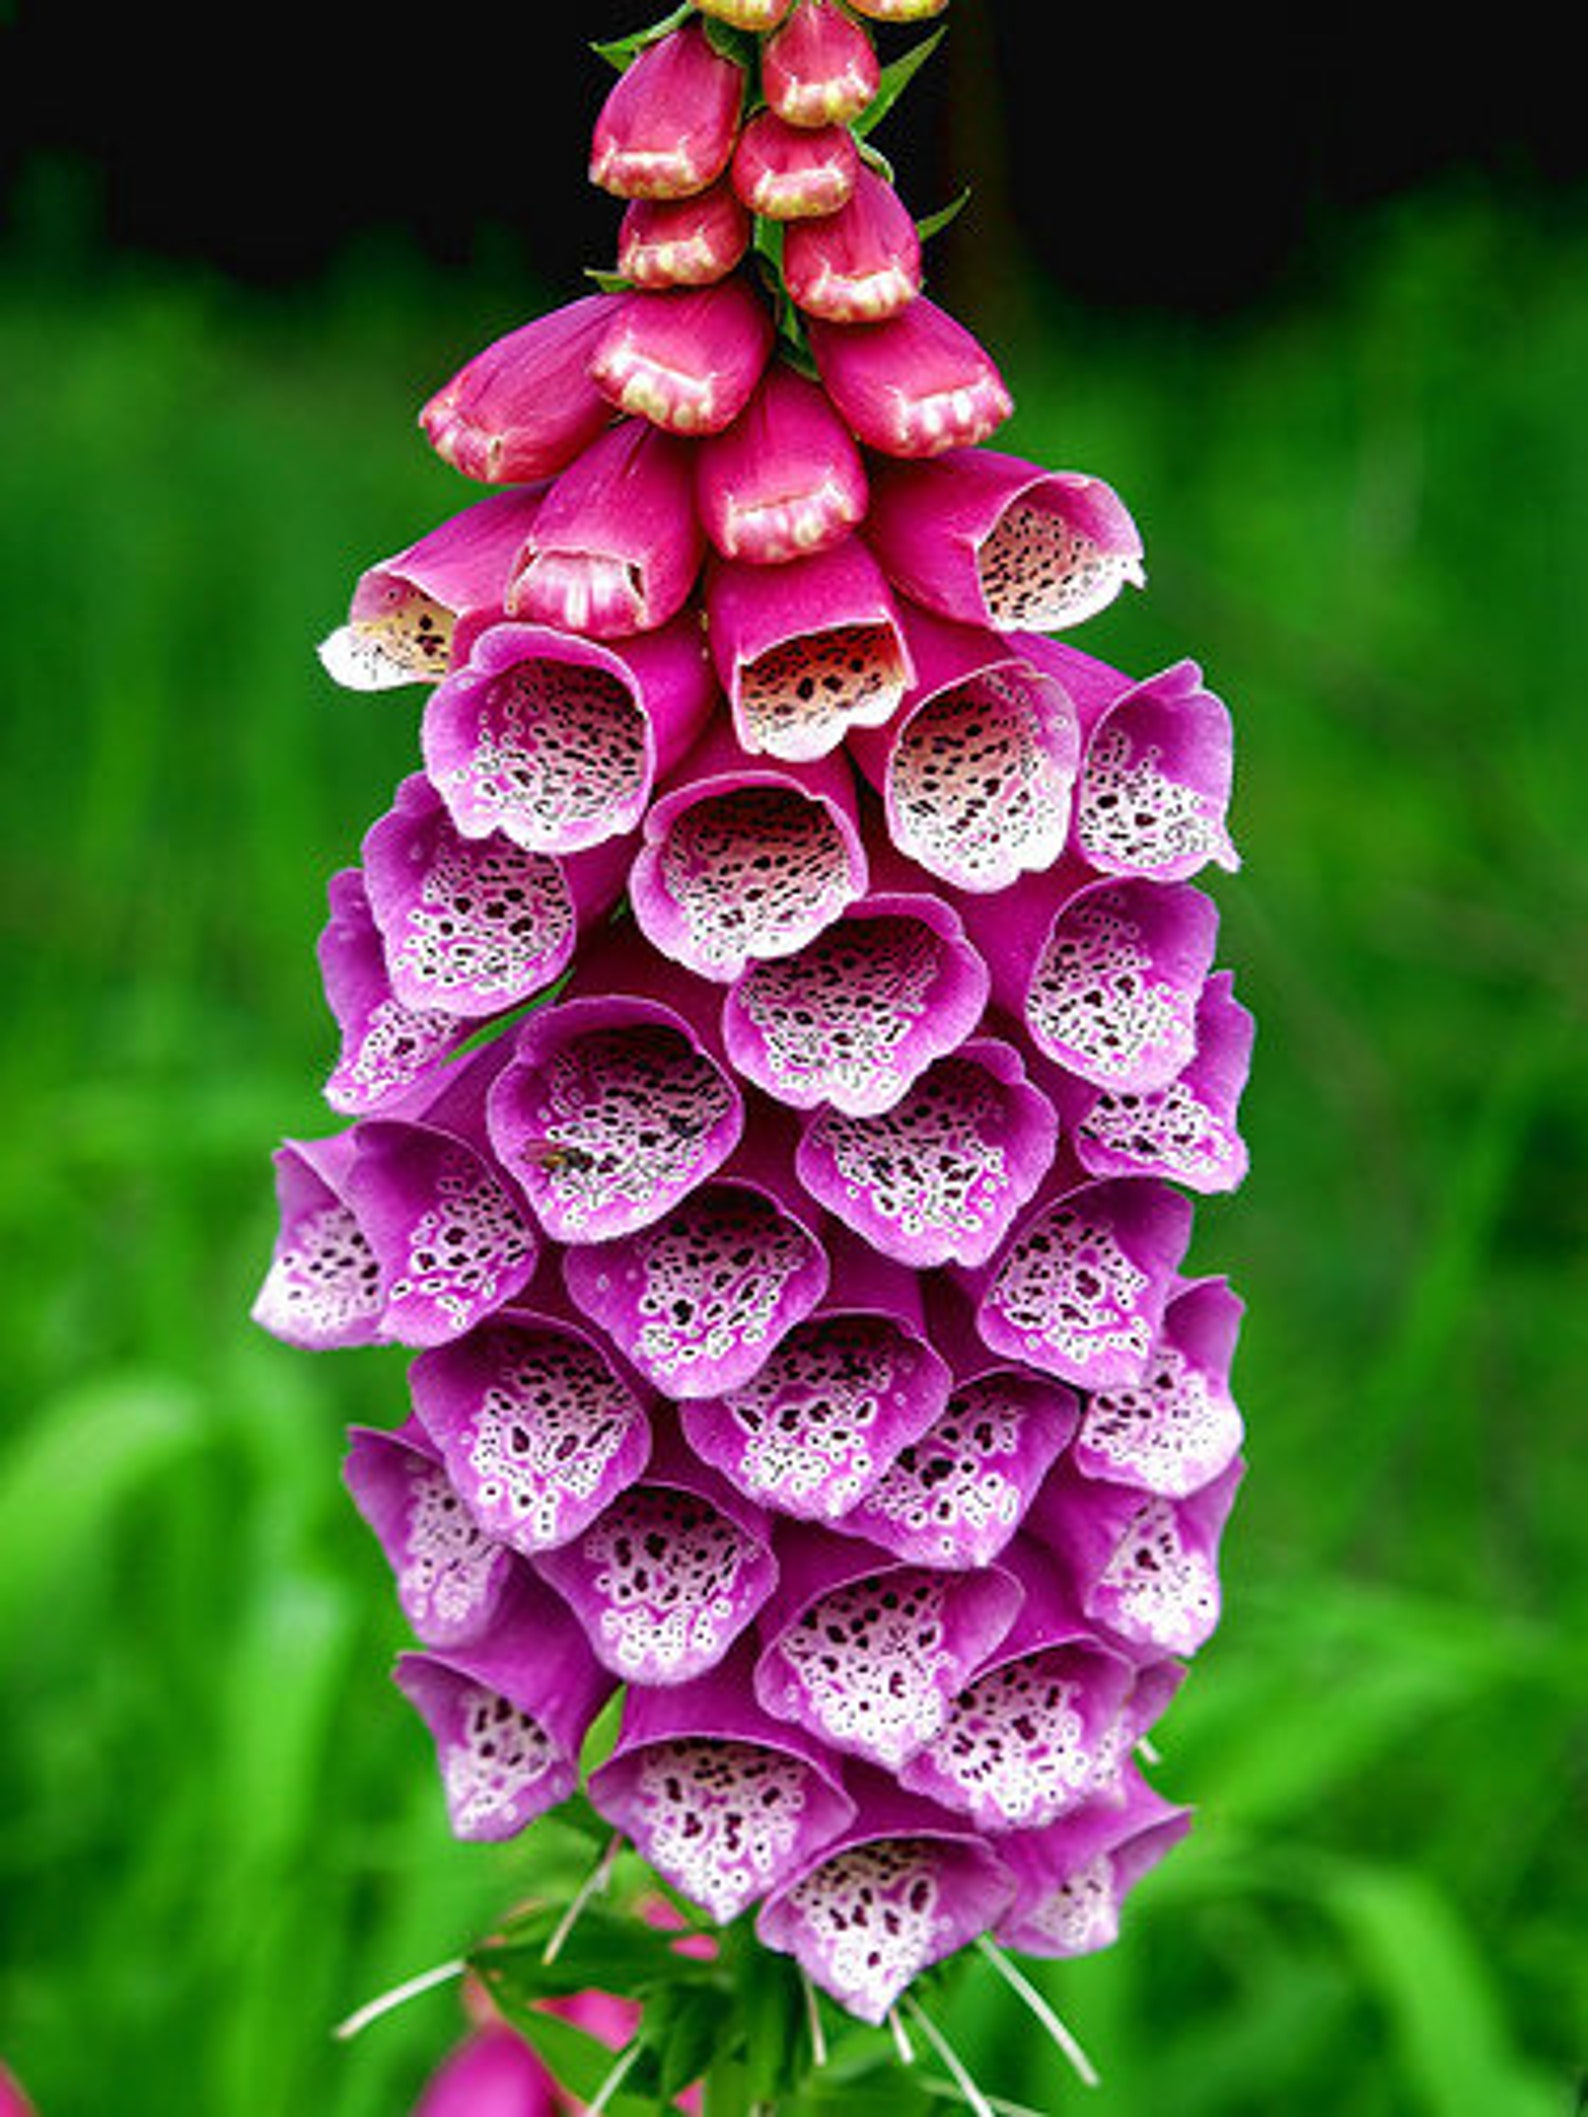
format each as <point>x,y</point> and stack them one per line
<point>904,1885</point>
<point>1045,1721</point>
<point>785,479</point>
<point>385,1047</point>
<point>860,264</point>
<point>615,547</point>
<point>451,1236</point>
<point>492,2072</point>
<point>790,172</point>
<point>957,1494</point>
<point>322,1287</point>
<point>1187,1130</point>
<point>819,67</point>
<point>1108,978</point>
<point>687,359</point>
<point>609,1112</point>
<point>1079,1288</point>
<point>538,1425</point>
<point>869,1651</point>
<point>556,741</point>
<point>757,16</point>
<point>825,1415</point>
<point>977,767</point>
<point>683,242</point>
<point>914,385</point>
<point>451,1578</point>
<point>940,1174</point>
<point>988,538</point>
<point>860,1012</point>
<point>807,651</point>
<point>1072,1876</point>
<point>525,406</point>
<point>405,611</point>
<point>1155,778</point>
<point>1178,1428</point>
<point>698,1300</point>
<point>473,926</point>
<point>508,1715</point>
<point>723,1801</point>
<point>741,861</point>
<point>670,1575</point>
<point>668,124</point>
<point>1143,1566</point>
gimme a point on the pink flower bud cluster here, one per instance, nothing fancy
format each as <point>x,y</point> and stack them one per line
<point>779,1048</point>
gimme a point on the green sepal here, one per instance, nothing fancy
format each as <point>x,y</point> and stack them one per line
<point>621,52</point>
<point>729,42</point>
<point>684,2026</point>
<point>607,1950</point>
<point>896,76</point>
<point>609,282</point>
<point>581,2064</point>
<point>935,223</point>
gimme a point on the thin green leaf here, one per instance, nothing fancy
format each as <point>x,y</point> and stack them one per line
<point>684,2026</point>
<point>621,52</point>
<point>896,76</point>
<point>606,1951</point>
<point>582,2064</point>
<point>739,45</point>
<point>935,223</point>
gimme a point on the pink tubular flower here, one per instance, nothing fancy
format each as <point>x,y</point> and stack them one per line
<point>820,67</point>
<point>493,2072</point>
<point>913,386</point>
<point>808,651</point>
<point>687,359</point>
<point>685,242</point>
<point>616,545</point>
<point>405,611</point>
<point>525,406</point>
<point>859,265</point>
<point>668,124</point>
<point>790,172</point>
<point>992,540</point>
<point>785,479</point>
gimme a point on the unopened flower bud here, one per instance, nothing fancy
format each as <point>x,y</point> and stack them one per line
<point>820,67</point>
<point>860,264</point>
<point>790,172</point>
<point>685,242</point>
<point>525,405</point>
<point>669,123</point>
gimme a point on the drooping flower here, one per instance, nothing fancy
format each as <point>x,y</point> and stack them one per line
<point>683,242</point>
<point>860,264</point>
<point>687,358</point>
<point>668,124</point>
<point>913,385</point>
<point>819,67</point>
<point>785,479</point>
<point>790,172</point>
<point>525,406</point>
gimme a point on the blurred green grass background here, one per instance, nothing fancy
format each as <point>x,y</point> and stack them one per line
<point>1366,510</point>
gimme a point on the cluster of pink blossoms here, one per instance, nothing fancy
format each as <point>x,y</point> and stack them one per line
<point>781,1046</point>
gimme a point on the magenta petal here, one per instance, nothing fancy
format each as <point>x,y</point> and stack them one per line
<point>1039,1728</point>
<point>686,359</point>
<point>785,479</point>
<point>669,1576</point>
<point>386,1048</point>
<point>914,385</point>
<point>525,406</point>
<point>989,539</point>
<point>977,767</point>
<point>1178,1428</point>
<point>451,1238</point>
<point>451,1577</point>
<point>820,1422</point>
<point>492,2072</point>
<point>556,741</point>
<point>538,1429</point>
<point>667,125</point>
<point>790,172</point>
<point>808,650</point>
<point>609,1113</point>
<point>855,1016</point>
<point>1155,781</point>
<point>905,1885</point>
<point>698,1299</point>
<point>956,1495</point>
<point>1080,1287</point>
<point>1144,1566</point>
<point>322,1288</point>
<point>1110,982</point>
<point>860,264</point>
<point>508,1715</point>
<point>741,862</point>
<point>819,66</point>
<point>722,1800</point>
<point>940,1174</point>
<point>868,1651</point>
<point>616,545</point>
<point>1186,1130</point>
<point>684,242</point>
<point>404,613</point>
<point>474,926</point>
<point>1074,1875</point>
